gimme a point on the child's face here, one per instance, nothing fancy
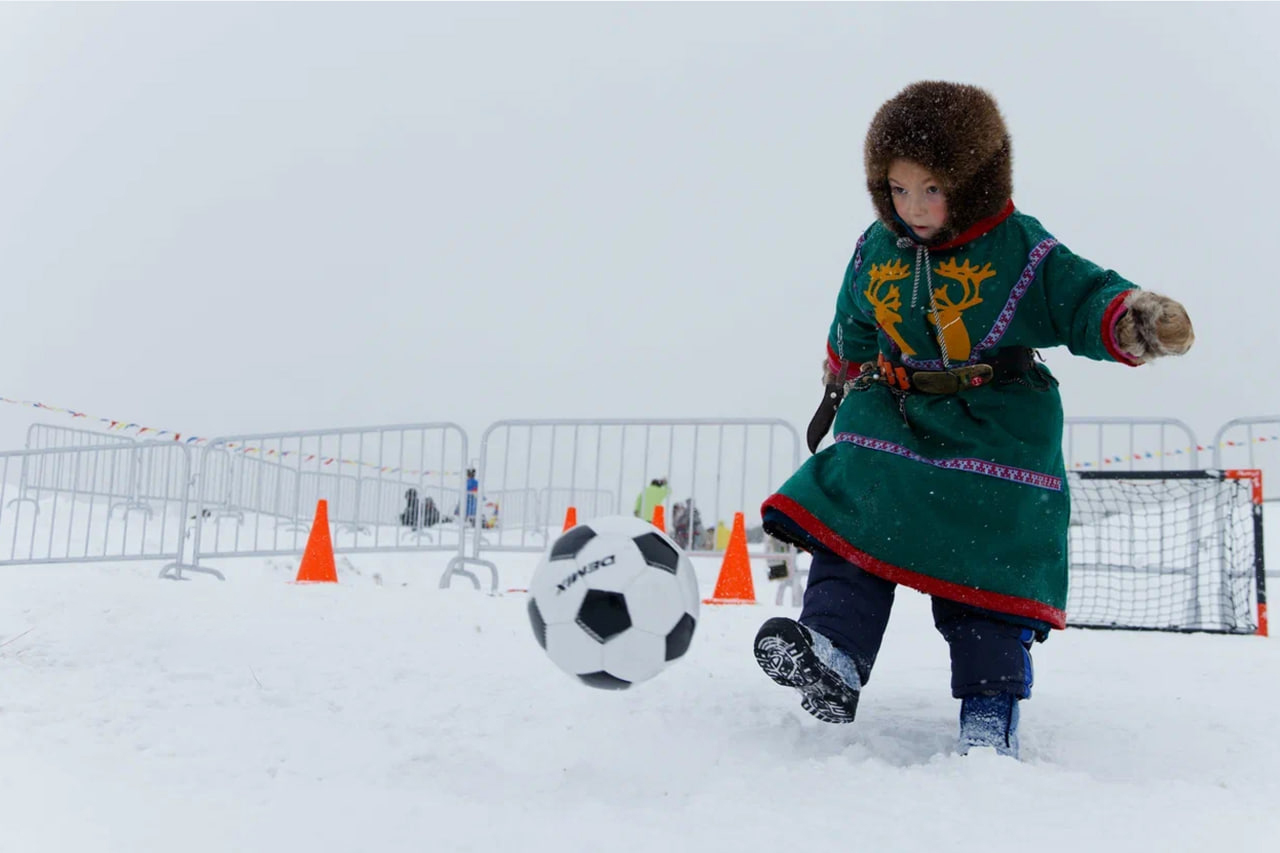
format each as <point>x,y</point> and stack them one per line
<point>917,198</point>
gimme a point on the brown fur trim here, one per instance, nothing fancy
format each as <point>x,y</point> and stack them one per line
<point>957,133</point>
<point>1127,338</point>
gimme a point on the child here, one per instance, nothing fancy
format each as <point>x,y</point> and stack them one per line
<point>947,472</point>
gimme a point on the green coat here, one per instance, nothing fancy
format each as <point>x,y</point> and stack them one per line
<point>964,495</point>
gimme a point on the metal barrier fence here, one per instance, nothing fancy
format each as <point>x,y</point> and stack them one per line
<point>44,436</point>
<point>590,502</point>
<point>722,466</point>
<point>240,483</point>
<point>66,511</point>
<point>1128,444</point>
<point>257,494</point>
<point>513,510</point>
<point>1247,443</point>
<point>42,475</point>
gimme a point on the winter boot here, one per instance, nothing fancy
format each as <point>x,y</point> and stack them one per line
<point>989,720</point>
<point>795,656</point>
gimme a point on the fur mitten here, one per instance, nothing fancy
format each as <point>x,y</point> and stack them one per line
<point>1153,326</point>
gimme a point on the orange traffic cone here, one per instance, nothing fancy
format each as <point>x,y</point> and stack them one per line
<point>317,561</point>
<point>734,585</point>
<point>660,518</point>
<point>570,518</point>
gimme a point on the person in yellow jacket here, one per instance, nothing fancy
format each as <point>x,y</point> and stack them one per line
<point>654,494</point>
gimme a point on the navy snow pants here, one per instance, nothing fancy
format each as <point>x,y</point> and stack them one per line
<point>851,607</point>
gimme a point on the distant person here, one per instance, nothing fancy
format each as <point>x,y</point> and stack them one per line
<point>686,520</point>
<point>654,495</point>
<point>473,495</point>
<point>430,512</point>
<point>411,515</point>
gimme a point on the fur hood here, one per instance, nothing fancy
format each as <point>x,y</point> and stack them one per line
<point>957,133</point>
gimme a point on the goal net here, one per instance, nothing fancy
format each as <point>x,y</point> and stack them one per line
<point>1167,551</point>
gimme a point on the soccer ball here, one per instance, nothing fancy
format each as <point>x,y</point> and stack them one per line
<point>613,601</point>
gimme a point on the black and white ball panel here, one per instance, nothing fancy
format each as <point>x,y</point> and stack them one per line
<point>573,650</point>
<point>603,615</point>
<point>571,541</point>
<point>679,637</point>
<point>635,655</point>
<point>658,551</point>
<point>656,603</point>
<point>604,681</point>
<point>557,589</point>
<point>539,624</point>
<point>687,577</point>
<point>607,563</point>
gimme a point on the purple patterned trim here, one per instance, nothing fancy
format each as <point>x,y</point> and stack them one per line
<point>857,267</point>
<point>1038,254</point>
<point>969,464</point>
<point>857,253</point>
<point>1005,318</point>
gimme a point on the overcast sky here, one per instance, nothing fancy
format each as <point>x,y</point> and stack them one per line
<point>222,218</point>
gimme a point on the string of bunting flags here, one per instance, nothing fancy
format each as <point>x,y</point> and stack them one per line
<point>140,431</point>
<point>111,425</point>
<point>1138,457</point>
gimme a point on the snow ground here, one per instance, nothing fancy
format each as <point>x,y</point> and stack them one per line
<point>387,714</point>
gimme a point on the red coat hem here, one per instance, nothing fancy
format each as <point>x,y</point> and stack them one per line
<point>995,601</point>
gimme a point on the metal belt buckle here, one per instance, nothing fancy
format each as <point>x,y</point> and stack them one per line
<point>865,379</point>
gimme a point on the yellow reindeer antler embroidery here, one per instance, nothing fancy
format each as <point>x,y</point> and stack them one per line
<point>948,320</point>
<point>887,301</point>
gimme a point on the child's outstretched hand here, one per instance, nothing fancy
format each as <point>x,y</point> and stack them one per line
<point>1154,326</point>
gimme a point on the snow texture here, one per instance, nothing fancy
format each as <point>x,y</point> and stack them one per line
<point>384,713</point>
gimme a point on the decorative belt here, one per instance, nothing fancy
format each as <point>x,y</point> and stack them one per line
<point>1009,364</point>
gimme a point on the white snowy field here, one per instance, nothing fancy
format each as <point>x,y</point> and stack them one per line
<point>384,713</point>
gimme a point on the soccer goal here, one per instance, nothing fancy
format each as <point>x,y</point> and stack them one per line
<point>1167,551</point>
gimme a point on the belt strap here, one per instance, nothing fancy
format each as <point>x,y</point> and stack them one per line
<point>952,381</point>
<point>1008,364</point>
